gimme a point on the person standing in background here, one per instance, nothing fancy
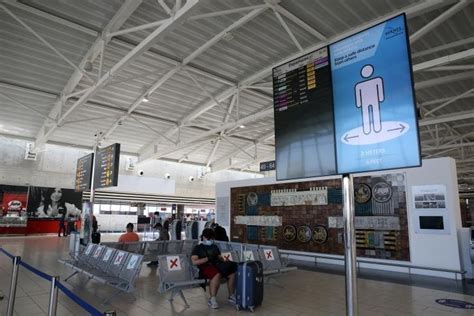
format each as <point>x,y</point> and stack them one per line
<point>163,235</point>
<point>95,226</point>
<point>62,222</point>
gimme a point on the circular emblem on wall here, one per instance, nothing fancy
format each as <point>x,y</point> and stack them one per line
<point>304,233</point>
<point>252,199</point>
<point>362,193</point>
<point>320,234</point>
<point>382,192</point>
<point>289,233</point>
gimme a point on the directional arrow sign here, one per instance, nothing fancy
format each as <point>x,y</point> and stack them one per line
<point>400,129</point>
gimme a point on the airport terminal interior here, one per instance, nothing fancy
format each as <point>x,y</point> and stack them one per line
<point>222,157</point>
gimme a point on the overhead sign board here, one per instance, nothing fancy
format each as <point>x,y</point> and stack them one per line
<point>267,165</point>
<point>107,166</point>
<point>376,125</point>
<point>304,130</point>
<point>348,107</point>
<point>84,173</point>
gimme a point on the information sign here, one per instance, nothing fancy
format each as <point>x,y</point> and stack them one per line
<point>107,166</point>
<point>304,130</point>
<point>267,165</point>
<point>376,126</point>
<point>84,173</point>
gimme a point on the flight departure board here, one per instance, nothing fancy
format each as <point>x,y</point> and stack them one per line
<point>304,127</point>
<point>84,173</point>
<point>107,166</point>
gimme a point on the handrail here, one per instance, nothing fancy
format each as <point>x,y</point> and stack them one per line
<point>361,260</point>
<point>83,304</point>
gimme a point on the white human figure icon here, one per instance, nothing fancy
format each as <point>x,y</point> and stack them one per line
<point>369,94</point>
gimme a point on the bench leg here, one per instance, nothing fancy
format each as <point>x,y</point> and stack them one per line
<point>181,294</point>
<point>275,282</point>
<point>107,300</point>
<point>73,274</point>
<point>183,298</point>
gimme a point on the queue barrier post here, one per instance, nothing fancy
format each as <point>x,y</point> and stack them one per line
<point>53,297</point>
<point>110,313</point>
<point>11,297</point>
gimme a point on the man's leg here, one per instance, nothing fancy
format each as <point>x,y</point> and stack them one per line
<point>214,285</point>
<point>231,284</point>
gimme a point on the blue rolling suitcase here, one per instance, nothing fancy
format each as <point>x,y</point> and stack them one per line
<point>249,285</point>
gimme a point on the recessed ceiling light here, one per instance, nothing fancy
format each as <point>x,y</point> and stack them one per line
<point>242,126</point>
<point>145,99</point>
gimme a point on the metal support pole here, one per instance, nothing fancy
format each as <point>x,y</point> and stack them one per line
<point>110,313</point>
<point>11,297</point>
<point>349,245</point>
<point>53,297</point>
<point>92,196</point>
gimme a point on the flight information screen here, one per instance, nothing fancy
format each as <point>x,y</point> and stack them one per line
<point>304,128</point>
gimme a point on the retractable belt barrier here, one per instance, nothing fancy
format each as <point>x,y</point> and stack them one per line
<point>52,309</point>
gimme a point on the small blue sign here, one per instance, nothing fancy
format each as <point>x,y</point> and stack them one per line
<point>375,116</point>
<point>455,303</point>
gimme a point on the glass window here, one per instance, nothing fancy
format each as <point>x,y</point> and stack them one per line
<point>115,207</point>
<point>125,208</point>
<point>105,207</point>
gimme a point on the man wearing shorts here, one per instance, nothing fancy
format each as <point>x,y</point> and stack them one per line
<point>207,257</point>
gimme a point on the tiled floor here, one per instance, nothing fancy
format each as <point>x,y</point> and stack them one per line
<point>304,292</point>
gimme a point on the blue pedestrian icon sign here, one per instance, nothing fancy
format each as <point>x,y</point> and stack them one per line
<point>374,109</point>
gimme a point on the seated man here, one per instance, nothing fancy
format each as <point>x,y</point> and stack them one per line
<point>130,235</point>
<point>211,265</point>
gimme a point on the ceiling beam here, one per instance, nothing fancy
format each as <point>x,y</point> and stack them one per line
<point>218,141</point>
<point>248,17</point>
<point>299,22</point>
<point>454,99</point>
<point>411,11</point>
<point>211,133</point>
<point>444,80</point>
<point>439,48</point>
<point>225,162</point>
<point>127,8</point>
<point>444,60</point>
<point>465,115</point>
<point>137,51</point>
<point>437,21</point>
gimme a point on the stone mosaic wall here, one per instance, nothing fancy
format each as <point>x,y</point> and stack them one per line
<point>381,217</point>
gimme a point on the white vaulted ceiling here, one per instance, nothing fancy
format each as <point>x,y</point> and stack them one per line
<point>206,67</point>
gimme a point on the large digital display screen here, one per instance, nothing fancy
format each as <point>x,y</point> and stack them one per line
<point>374,106</point>
<point>304,130</point>
<point>107,166</point>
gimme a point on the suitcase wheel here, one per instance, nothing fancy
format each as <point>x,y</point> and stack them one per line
<point>237,307</point>
<point>251,309</point>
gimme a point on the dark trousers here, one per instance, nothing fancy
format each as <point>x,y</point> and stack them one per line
<point>62,228</point>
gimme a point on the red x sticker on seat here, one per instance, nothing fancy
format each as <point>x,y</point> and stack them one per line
<point>174,264</point>
<point>226,256</point>
<point>268,254</point>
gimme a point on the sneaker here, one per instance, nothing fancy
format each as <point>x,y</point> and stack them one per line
<point>153,264</point>
<point>213,304</point>
<point>232,299</point>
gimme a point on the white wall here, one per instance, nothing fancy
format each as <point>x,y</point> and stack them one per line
<point>56,167</point>
<point>426,250</point>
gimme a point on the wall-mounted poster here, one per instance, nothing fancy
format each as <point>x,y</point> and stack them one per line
<point>13,199</point>
<point>45,202</point>
<point>431,215</point>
